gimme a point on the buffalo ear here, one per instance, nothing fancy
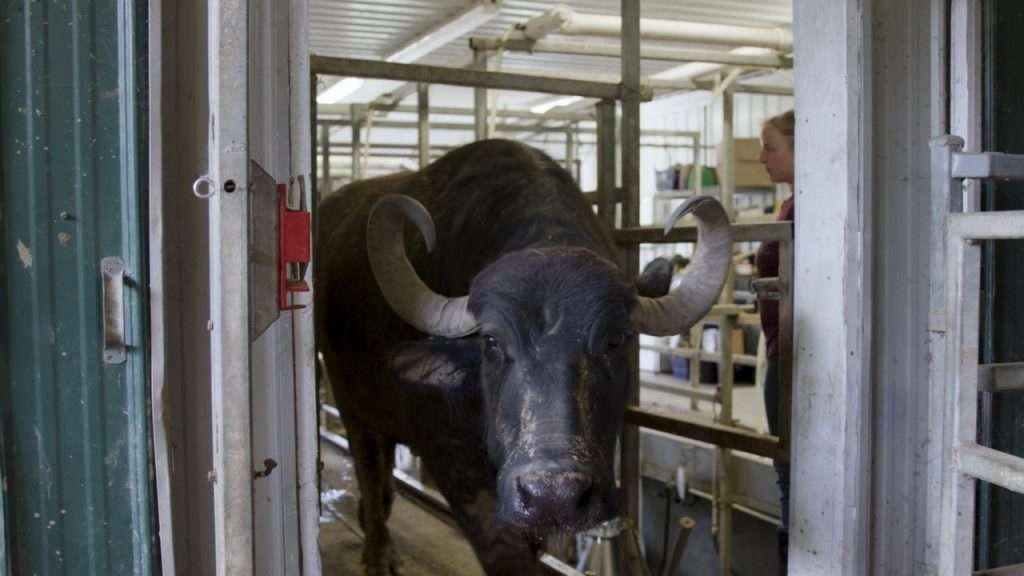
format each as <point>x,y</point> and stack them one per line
<point>656,279</point>
<point>436,364</point>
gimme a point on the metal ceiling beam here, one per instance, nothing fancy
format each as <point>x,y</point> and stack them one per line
<point>343,110</point>
<point>461,77</point>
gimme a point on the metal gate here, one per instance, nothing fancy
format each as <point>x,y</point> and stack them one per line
<point>959,230</point>
<point>965,460</point>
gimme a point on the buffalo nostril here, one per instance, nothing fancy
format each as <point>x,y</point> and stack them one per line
<point>584,498</point>
<point>525,493</point>
<point>554,494</point>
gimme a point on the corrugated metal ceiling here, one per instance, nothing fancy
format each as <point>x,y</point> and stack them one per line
<point>373,28</point>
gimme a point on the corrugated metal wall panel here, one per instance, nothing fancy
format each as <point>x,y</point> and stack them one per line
<point>77,447</point>
<point>364,29</point>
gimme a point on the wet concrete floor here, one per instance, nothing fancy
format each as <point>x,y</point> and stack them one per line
<point>428,546</point>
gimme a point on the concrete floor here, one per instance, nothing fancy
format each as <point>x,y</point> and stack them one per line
<point>431,547</point>
<point>428,546</point>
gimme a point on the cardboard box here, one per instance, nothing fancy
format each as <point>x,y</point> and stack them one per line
<point>749,173</point>
<point>747,149</point>
<point>752,175</point>
<point>737,341</point>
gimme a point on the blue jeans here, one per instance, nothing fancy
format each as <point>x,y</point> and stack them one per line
<point>771,405</point>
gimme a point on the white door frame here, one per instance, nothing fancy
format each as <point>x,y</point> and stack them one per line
<point>232,473</point>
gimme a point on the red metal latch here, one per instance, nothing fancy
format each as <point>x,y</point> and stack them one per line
<point>294,249</point>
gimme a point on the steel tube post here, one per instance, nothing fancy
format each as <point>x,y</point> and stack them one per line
<point>357,143</point>
<point>325,155</point>
<point>697,342</point>
<point>965,45</point>
<point>570,148</point>
<point>945,199</point>
<point>723,502</point>
<point>785,346</point>
<point>313,125</point>
<point>606,161</point>
<point>480,98</point>
<point>698,176</point>
<point>963,286</point>
<point>423,122</point>
<point>630,150</point>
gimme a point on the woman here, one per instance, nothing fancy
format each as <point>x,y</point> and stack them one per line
<point>777,158</point>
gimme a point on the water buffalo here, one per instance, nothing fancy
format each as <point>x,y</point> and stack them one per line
<point>494,347</point>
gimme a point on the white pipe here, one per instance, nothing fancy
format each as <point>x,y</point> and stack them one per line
<point>519,43</point>
<point>564,20</point>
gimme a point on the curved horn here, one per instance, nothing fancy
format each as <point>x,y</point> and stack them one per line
<point>702,279</point>
<point>402,287</point>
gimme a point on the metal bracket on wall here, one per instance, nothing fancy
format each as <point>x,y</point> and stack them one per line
<point>279,248</point>
<point>294,249</point>
<point>263,250</point>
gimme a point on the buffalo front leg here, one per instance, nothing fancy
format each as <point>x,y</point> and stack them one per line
<point>373,457</point>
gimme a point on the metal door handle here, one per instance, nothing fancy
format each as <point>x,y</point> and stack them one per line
<point>113,310</point>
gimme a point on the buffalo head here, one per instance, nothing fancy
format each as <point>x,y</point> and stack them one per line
<point>551,324</point>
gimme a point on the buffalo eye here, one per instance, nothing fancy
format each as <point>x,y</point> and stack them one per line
<point>492,344</point>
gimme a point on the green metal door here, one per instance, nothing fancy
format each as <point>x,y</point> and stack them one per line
<point>5,565</point>
<point>72,160</point>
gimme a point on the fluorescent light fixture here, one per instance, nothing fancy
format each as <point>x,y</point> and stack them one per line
<point>462,23</point>
<point>341,90</point>
<point>543,107</point>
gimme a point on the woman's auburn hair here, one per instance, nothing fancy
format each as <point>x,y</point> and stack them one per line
<point>785,123</point>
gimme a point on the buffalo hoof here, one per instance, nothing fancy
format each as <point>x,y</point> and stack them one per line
<point>383,561</point>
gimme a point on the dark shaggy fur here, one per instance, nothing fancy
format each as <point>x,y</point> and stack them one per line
<point>517,423</point>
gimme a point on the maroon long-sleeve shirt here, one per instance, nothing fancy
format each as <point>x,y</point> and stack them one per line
<point>767,262</point>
